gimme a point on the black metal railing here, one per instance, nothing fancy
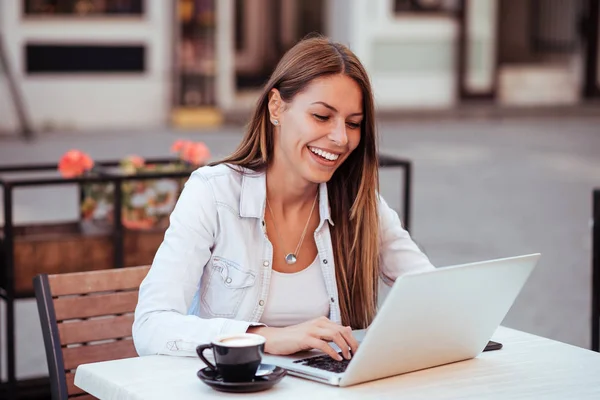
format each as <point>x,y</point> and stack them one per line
<point>388,161</point>
<point>596,270</point>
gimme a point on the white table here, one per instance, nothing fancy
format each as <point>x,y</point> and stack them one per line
<point>528,367</point>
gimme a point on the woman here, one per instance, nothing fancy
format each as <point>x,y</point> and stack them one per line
<point>287,237</point>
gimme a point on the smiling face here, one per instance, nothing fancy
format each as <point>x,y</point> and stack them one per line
<point>319,128</point>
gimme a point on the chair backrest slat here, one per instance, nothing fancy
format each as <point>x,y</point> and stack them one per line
<point>95,305</point>
<point>92,330</point>
<point>96,281</point>
<point>71,388</point>
<point>75,356</point>
<point>86,317</point>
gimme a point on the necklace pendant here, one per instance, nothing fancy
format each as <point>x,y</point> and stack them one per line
<point>290,259</point>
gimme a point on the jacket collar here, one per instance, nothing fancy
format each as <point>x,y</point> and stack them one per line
<point>254,195</point>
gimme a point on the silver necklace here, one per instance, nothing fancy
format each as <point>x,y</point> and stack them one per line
<point>291,258</point>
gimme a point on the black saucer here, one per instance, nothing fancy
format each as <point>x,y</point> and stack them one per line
<point>214,380</point>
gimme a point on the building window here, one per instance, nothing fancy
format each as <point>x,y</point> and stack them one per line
<point>427,6</point>
<point>72,59</point>
<point>82,7</point>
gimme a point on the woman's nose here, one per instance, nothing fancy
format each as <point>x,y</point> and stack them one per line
<point>338,134</point>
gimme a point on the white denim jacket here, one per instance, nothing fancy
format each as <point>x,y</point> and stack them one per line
<point>211,274</point>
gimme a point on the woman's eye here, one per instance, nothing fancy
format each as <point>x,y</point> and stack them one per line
<point>353,125</point>
<point>321,117</point>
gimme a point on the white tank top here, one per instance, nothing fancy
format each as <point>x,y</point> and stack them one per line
<point>297,297</point>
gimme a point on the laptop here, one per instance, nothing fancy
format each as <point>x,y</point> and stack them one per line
<point>428,319</point>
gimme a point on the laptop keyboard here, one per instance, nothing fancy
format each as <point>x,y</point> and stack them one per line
<point>325,362</point>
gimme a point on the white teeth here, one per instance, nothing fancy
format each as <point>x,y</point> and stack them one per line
<point>325,154</point>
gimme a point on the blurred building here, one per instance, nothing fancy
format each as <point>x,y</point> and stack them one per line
<point>121,64</point>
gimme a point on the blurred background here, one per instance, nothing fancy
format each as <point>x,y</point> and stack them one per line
<point>176,63</point>
<point>495,103</point>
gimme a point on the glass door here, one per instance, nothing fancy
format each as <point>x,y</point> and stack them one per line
<point>194,95</point>
<point>259,32</point>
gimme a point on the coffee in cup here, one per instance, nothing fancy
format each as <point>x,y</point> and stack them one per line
<point>237,357</point>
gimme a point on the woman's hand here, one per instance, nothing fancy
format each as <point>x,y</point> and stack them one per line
<point>309,335</point>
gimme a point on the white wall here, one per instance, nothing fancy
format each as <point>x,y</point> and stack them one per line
<point>338,20</point>
<point>411,59</point>
<point>225,55</point>
<point>482,30</point>
<point>91,101</point>
<point>8,120</point>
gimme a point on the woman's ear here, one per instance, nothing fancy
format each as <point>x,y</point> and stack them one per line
<point>275,106</point>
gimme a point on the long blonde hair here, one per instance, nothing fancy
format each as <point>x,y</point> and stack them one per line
<point>354,185</point>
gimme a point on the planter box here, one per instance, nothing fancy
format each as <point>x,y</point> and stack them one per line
<point>75,247</point>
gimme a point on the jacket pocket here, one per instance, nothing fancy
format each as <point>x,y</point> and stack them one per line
<point>226,287</point>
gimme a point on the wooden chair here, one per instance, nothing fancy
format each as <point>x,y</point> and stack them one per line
<point>86,317</point>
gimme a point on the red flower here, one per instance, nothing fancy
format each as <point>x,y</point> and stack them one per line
<point>74,163</point>
<point>179,145</point>
<point>195,153</point>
